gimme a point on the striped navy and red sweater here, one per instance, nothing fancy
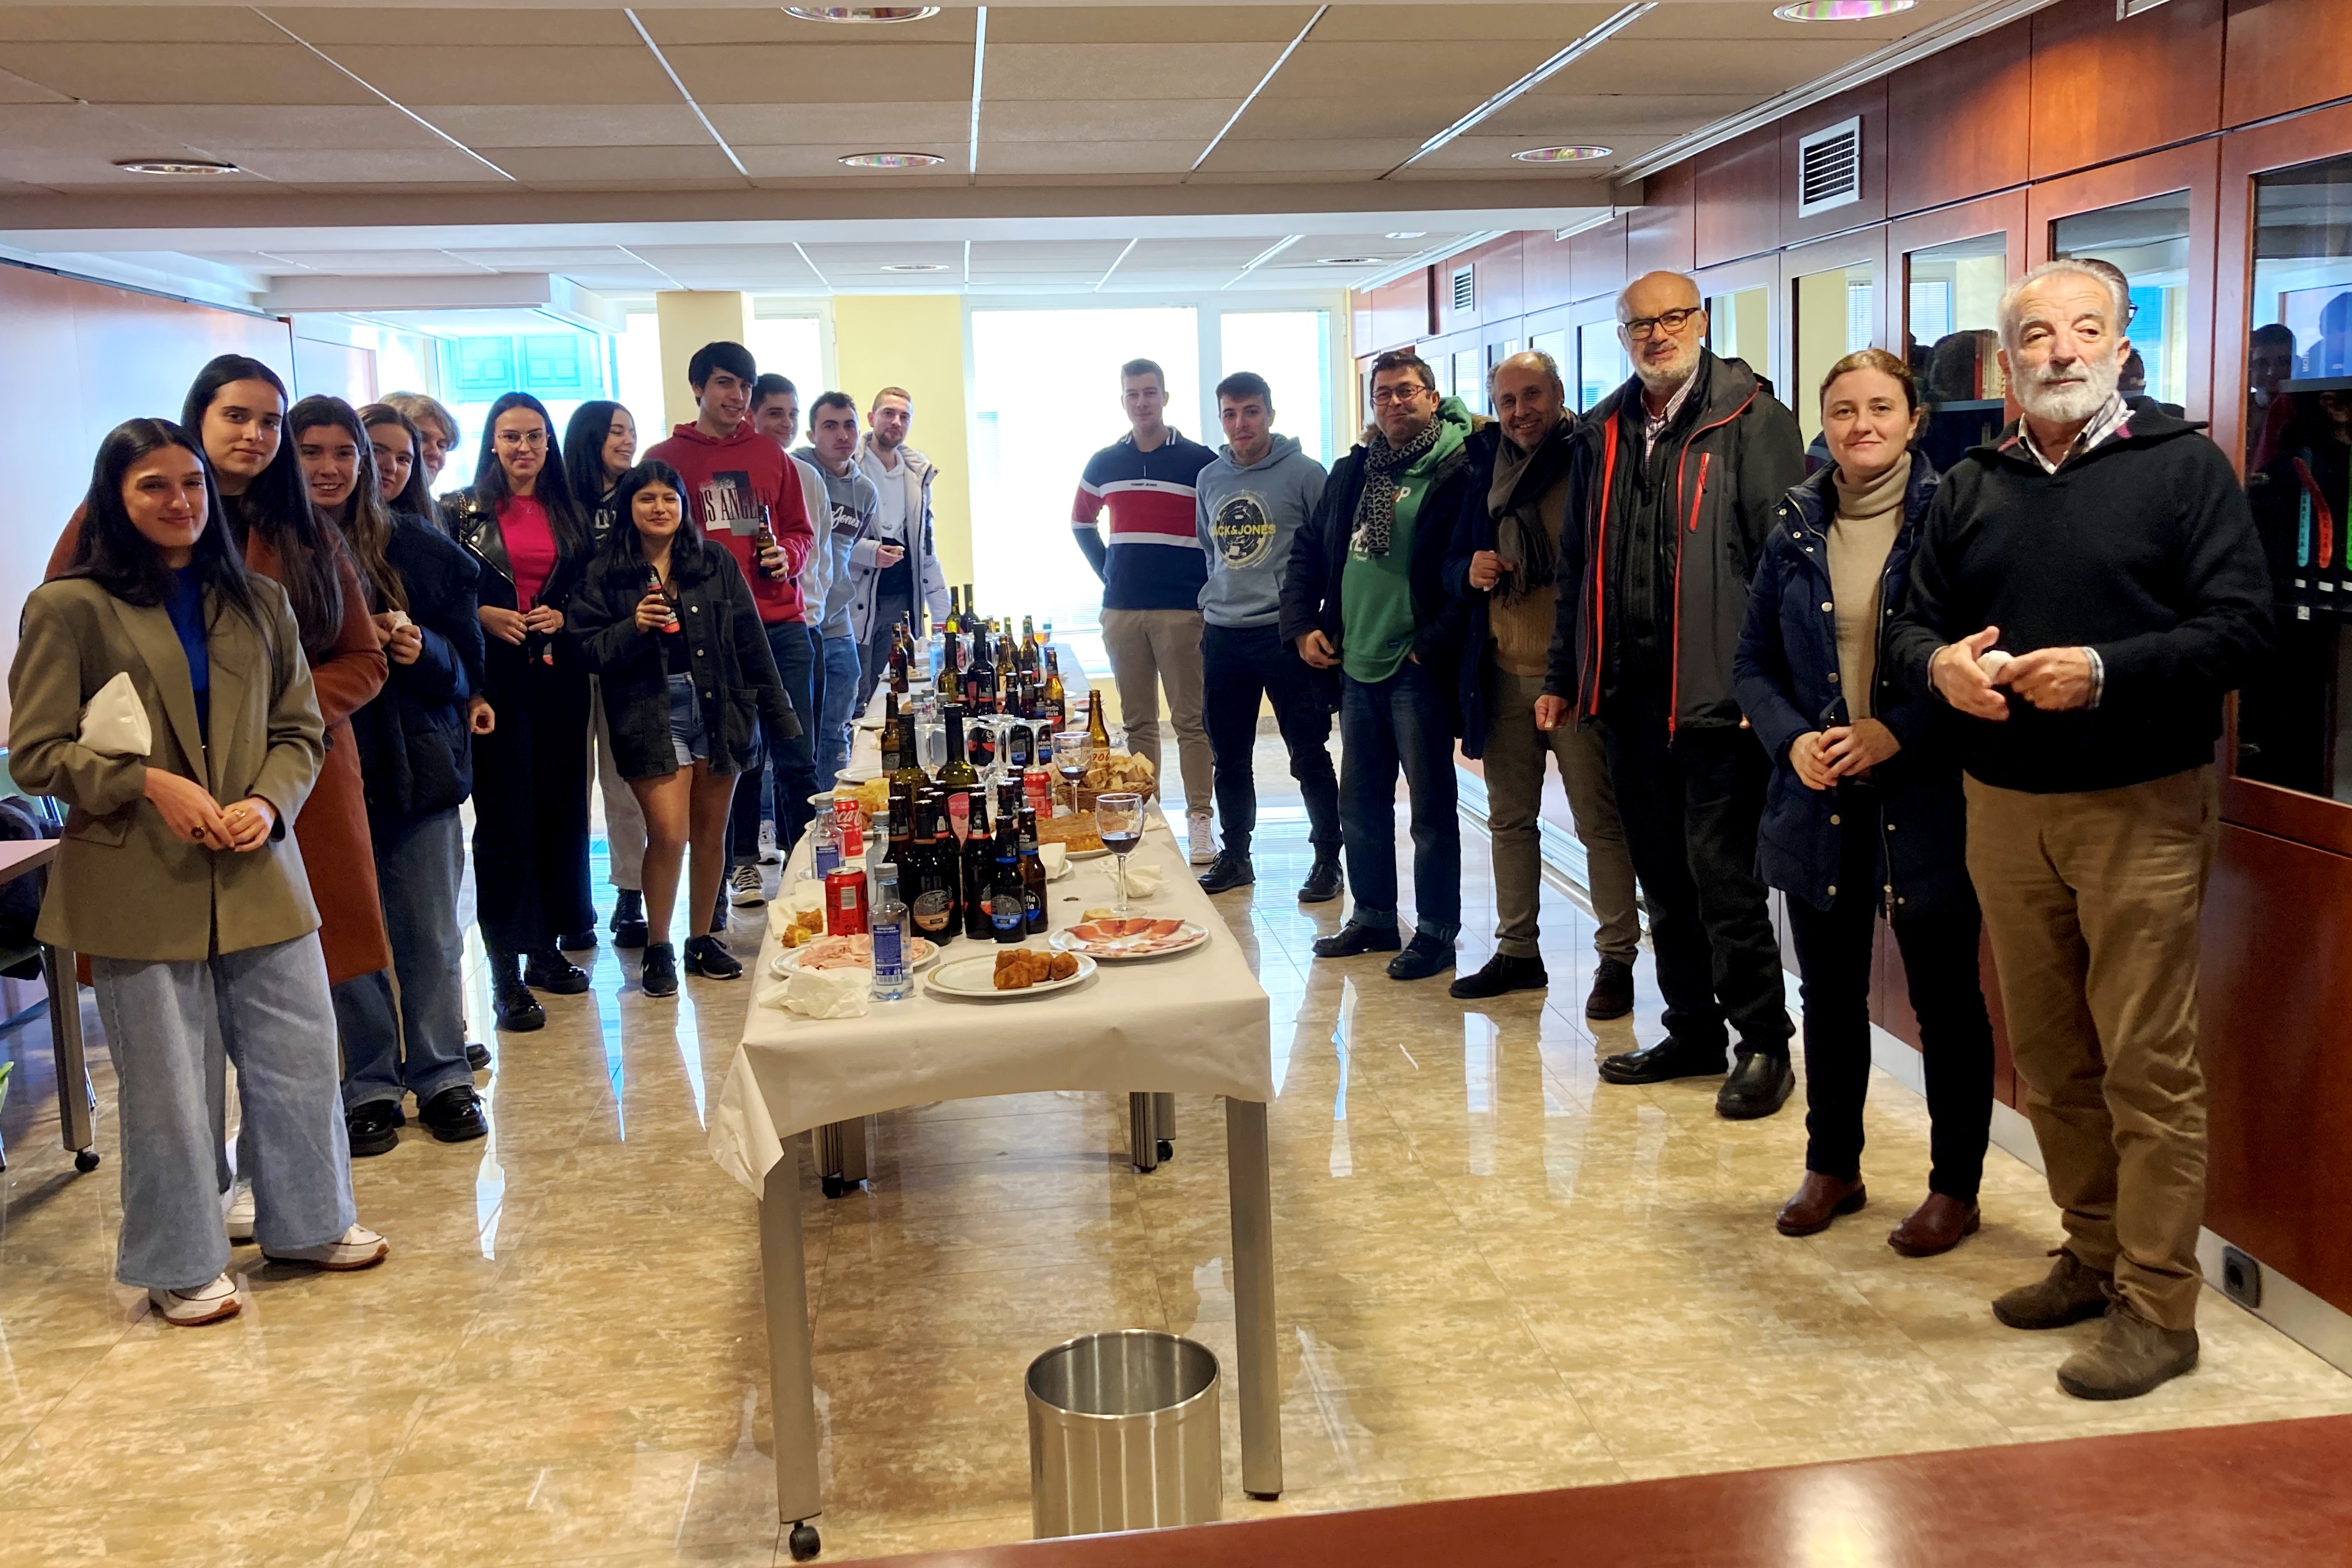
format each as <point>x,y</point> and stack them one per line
<point>1153,558</point>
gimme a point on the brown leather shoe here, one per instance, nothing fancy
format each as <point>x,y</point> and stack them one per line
<point>1819,1200</point>
<point>1936,1226</point>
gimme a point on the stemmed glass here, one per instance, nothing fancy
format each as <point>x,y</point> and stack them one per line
<point>1072,752</point>
<point>1118,818</point>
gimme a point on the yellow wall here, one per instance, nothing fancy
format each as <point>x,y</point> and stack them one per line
<point>687,320</point>
<point>915,341</point>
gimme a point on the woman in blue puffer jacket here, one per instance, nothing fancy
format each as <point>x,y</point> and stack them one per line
<point>1864,815</point>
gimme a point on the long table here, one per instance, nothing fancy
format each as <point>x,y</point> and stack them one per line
<point>1195,1023</point>
<point>76,1103</point>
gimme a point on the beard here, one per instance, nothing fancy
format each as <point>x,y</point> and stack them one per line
<point>1666,378</point>
<point>2070,395</point>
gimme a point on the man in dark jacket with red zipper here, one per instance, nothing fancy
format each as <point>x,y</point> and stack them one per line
<point>1678,474</point>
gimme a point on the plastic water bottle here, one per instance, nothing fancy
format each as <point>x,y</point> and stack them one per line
<point>825,838</point>
<point>888,924</point>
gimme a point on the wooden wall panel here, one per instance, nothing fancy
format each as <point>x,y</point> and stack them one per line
<point>1400,312</point>
<point>1957,122</point>
<point>2274,1002</point>
<point>1659,234</point>
<point>2105,88</point>
<point>1497,285</point>
<point>1868,102</point>
<point>1547,269</point>
<point>1738,189</point>
<point>2285,55</point>
<point>1597,260</point>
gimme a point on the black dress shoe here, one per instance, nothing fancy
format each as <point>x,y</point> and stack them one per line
<point>1353,938</point>
<point>518,1011</point>
<point>577,941</point>
<point>1502,972</point>
<point>374,1127</point>
<point>1669,1059</point>
<point>478,1056</point>
<point>629,929</point>
<point>1425,955</point>
<point>1323,882</point>
<point>709,956</point>
<point>455,1115</point>
<point>1227,872</point>
<point>552,971</point>
<point>1759,1084</point>
<point>660,975</point>
<point>1611,996</point>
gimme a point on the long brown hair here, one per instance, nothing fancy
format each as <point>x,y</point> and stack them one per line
<point>366,528</point>
<point>413,498</point>
<point>277,506</point>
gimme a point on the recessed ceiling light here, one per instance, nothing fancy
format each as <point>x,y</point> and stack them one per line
<point>892,159</point>
<point>1562,155</point>
<point>177,167</point>
<point>914,266</point>
<point>1348,260</point>
<point>1841,10</point>
<point>1404,234</point>
<point>861,12</point>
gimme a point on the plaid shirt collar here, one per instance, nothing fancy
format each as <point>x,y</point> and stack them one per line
<point>2104,426</point>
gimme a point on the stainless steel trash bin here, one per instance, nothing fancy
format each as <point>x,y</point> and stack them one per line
<point>1124,1434</point>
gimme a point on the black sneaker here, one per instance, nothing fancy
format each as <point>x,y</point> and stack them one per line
<point>1227,872</point>
<point>1354,937</point>
<point>1611,996</point>
<point>1502,972</point>
<point>629,929</point>
<point>455,1115</point>
<point>478,1056</point>
<point>1425,955</point>
<point>1323,882</point>
<point>709,956</point>
<point>552,971</point>
<point>374,1127</point>
<point>659,976</point>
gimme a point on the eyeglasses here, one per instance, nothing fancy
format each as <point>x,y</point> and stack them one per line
<point>1382,396</point>
<point>1642,329</point>
<point>522,437</point>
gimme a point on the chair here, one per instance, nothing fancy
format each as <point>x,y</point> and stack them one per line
<point>75,1112</point>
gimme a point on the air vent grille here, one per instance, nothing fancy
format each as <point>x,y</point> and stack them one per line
<point>1466,296</point>
<point>1829,167</point>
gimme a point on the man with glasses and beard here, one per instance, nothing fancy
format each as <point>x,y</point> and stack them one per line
<point>1679,477</point>
<point>2086,590</point>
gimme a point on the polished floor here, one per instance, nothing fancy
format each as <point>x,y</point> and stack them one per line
<point>1494,1274</point>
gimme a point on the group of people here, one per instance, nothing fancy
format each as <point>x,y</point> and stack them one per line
<point>269,667</point>
<point>1976,703</point>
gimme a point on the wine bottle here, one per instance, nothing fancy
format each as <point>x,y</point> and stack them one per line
<point>893,737</point>
<point>1057,697</point>
<point>1098,732</point>
<point>978,871</point>
<point>908,773</point>
<point>957,772</point>
<point>1033,873</point>
<point>955,612</point>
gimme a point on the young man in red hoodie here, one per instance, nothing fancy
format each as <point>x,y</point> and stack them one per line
<point>735,478</point>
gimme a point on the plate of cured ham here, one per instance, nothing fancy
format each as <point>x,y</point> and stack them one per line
<point>1114,937</point>
<point>845,953</point>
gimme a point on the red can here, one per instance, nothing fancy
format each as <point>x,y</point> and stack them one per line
<point>851,818</point>
<point>1038,785</point>
<point>845,901</point>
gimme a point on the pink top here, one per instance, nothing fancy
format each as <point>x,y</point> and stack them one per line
<point>530,546</point>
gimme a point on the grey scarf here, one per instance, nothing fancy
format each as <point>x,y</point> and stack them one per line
<point>1525,537</point>
<point>1383,466</point>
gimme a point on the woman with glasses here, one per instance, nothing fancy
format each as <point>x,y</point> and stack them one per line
<point>530,774</point>
<point>599,445</point>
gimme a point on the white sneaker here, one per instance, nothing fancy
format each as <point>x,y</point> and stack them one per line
<point>238,1213</point>
<point>769,853</point>
<point>205,1304</point>
<point>1204,841</point>
<point>743,888</point>
<point>358,1247</point>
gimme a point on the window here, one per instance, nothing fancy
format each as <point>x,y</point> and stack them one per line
<point>1292,350</point>
<point>563,367</point>
<point>2150,241</point>
<point>793,348</point>
<point>1470,377</point>
<point>1836,313</point>
<point>1602,366</point>
<point>1951,335</point>
<point>637,376</point>
<point>1738,327</point>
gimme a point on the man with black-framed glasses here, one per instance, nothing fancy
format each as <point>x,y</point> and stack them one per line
<point>1679,474</point>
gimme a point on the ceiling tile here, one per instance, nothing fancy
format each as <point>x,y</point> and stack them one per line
<point>669,185</point>
<point>78,127</point>
<point>810,160</point>
<point>628,164</point>
<point>1167,178</point>
<point>540,73</point>
<point>769,25</point>
<point>1138,70</point>
<point>1621,113</point>
<point>670,124</point>
<point>781,124</point>
<point>1106,120</point>
<point>1720,21</point>
<point>1372,153</point>
<point>1080,157</point>
<point>150,72</point>
<point>560,258</point>
<point>156,24</point>
<point>378,263</point>
<point>1271,119</point>
<point>1553,24</point>
<point>825,73</point>
<point>371,165</point>
<point>1132,24</point>
<point>17,89</point>
<point>292,127</point>
<point>458,30</point>
<point>1757,66</point>
<point>1431,70</point>
<point>831,177</point>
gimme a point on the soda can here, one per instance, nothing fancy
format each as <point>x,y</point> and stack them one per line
<point>851,818</point>
<point>845,901</point>
<point>1037,786</point>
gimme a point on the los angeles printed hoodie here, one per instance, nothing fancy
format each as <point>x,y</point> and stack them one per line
<point>729,481</point>
<point>1246,518</point>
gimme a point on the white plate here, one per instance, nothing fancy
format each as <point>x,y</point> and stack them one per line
<point>1189,934</point>
<point>974,979</point>
<point>927,952</point>
<point>1088,854</point>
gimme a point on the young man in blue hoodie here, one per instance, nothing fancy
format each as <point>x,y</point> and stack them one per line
<point>1250,504</point>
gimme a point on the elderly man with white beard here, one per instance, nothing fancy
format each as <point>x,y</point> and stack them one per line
<point>2086,590</point>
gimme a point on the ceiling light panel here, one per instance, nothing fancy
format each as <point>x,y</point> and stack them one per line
<point>1841,10</point>
<point>891,159</point>
<point>861,15</point>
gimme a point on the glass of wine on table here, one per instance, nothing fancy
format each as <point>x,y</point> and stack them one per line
<point>1072,752</point>
<point>1118,818</point>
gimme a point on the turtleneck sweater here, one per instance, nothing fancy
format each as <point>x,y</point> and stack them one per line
<point>1868,518</point>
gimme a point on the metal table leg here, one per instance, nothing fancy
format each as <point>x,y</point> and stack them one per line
<point>1143,1132</point>
<point>841,1155</point>
<point>790,1383</point>
<point>77,1102</point>
<point>1250,1185</point>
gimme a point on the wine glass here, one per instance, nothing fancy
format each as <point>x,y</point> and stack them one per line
<point>1118,818</point>
<point>1071,754</point>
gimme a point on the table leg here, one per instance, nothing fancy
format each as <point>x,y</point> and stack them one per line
<point>790,1383</point>
<point>1249,1180</point>
<point>1142,1133</point>
<point>76,1100</point>
<point>1163,1117</point>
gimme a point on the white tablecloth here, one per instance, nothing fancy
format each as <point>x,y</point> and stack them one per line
<point>1196,1023</point>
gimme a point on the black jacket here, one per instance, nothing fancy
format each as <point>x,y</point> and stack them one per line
<point>2143,549</point>
<point>474,525</point>
<point>415,752</point>
<point>1473,530</point>
<point>1689,521</point>
<point>1786,677</point>
<point>734,670</point>
<point>1319,557</point>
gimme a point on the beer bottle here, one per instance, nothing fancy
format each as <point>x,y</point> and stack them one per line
<point>1098,732</point>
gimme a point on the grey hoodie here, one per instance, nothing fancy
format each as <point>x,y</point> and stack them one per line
<point>854,501</point>
<point>1246,518</point>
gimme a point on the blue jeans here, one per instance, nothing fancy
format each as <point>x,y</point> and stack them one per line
<point>278,1026</point>
<point>837,705</point>
<point>793,759</point>
<point>419,862</point>
<point>1384,726</point>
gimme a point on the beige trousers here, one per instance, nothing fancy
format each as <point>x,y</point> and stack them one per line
<point>2091,900</point>
<point>1150,650</point>
<point>1514,763</point>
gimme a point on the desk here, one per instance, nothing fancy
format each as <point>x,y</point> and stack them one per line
<point>75,1110</point>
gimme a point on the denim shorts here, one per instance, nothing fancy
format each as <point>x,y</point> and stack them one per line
<point>687,738</point>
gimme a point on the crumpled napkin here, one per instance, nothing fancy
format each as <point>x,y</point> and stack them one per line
<point>829,993</point>
<point>1142,880</point>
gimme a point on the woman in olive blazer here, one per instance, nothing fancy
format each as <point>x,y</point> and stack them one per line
<point>177,875</point>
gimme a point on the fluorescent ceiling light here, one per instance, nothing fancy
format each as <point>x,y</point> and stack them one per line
<point>178,168</point>
<point>861,12</point>
<point>1349,260</point>
<point>1584,154</point>
<point>892,159</point>
<point>914,266</point>
<point>1841,10</point>
<point>1617,22</point>
<point>1404,234</point>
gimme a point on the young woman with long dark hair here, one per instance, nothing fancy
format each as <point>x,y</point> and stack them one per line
<point>395,443</point>
<point>527,530</point>
<point>668,622</point>
<point>176,875</point>
<point>599,445</point>
<point>415,755</point>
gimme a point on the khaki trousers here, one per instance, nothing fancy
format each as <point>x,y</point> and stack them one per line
<point>2091,900</point>
<point>1152,649</point>
<point>1514,763</point>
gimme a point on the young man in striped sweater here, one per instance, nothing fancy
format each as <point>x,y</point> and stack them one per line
<point>1152,570</point>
